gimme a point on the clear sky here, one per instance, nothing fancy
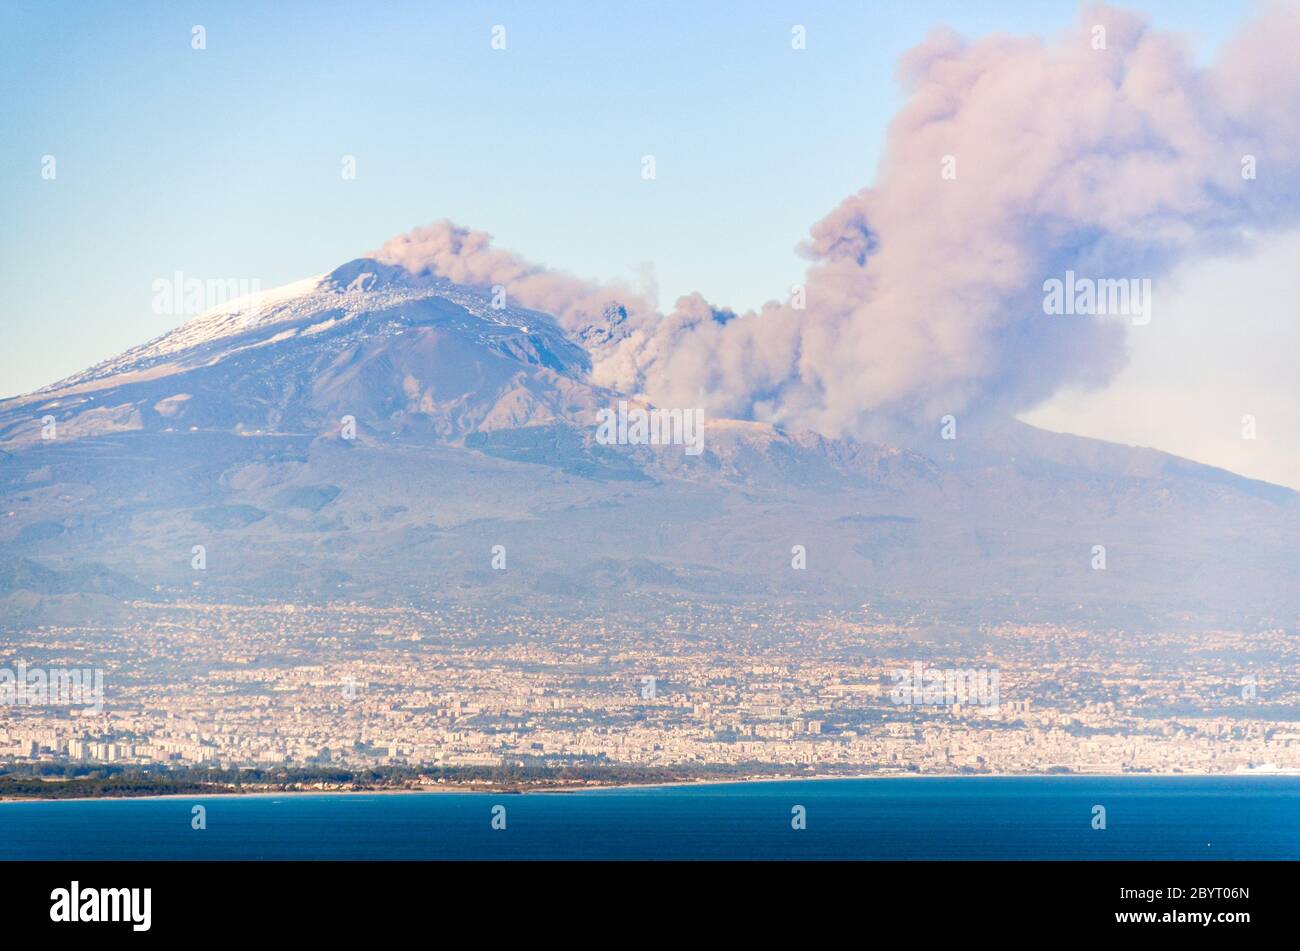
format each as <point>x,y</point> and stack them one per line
<point>225,162</point>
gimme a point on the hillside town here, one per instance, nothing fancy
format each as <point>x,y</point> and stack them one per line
<point>705,686</point>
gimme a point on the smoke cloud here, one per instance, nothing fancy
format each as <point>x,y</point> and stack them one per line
<point>1106,151</point>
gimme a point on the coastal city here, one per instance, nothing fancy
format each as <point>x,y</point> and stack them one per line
<point>701,688</point>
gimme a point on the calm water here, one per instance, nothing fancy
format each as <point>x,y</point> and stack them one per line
<point>941,818</point>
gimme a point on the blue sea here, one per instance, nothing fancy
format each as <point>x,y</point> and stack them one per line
<point>904,818</point>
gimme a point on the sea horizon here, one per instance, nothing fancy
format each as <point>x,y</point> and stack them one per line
<point>1179,817</point>
<point>484,789</point>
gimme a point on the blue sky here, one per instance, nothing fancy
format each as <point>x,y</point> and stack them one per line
<point>225,162</point>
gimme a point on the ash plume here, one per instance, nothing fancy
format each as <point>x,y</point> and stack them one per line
<point>923,293</point>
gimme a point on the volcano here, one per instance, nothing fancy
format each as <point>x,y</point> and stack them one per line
<point>370,433</point>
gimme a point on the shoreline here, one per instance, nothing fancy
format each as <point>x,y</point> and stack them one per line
<point>615,787</point>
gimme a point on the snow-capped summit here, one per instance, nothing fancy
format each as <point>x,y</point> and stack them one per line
<point>305,308</point>
<point>393,350</point>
